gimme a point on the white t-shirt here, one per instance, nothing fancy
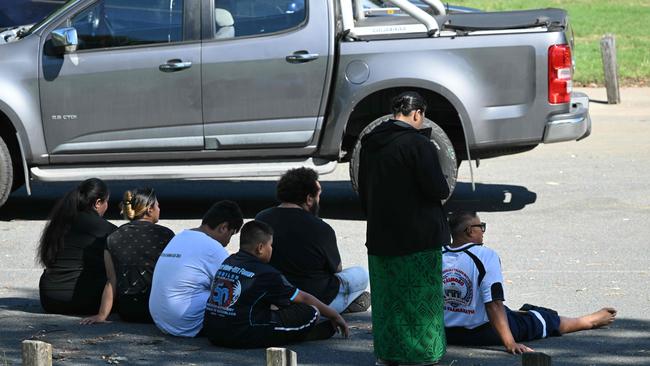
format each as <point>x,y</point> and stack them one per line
<point>181,282</point>
<point>471,277</point>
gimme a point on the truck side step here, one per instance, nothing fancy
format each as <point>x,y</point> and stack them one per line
<point>231,169</point>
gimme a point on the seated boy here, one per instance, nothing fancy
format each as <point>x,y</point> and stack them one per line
<point>474,310</point>
<point>185,269</point>
<point>251,304</point>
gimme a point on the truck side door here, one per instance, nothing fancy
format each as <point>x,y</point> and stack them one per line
<point>264,69</point>
<point>132,86</point>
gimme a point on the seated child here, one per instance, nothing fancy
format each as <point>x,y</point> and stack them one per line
<point>474,310</point>
<point>252,305</point>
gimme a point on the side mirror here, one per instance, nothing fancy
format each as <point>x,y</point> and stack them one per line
<point>66,39</point>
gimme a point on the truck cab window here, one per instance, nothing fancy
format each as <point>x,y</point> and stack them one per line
<point>240,18</point>
<point>118,23</point>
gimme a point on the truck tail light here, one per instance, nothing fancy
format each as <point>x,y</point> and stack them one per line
<point>560,72</point>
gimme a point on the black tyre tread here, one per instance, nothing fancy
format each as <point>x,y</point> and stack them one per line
<point>446,152</point>
<point>6,173</point>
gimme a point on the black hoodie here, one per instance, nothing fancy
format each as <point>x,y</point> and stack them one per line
<point>401,185</point>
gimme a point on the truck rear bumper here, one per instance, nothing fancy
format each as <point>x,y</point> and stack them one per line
<point>574,125</point>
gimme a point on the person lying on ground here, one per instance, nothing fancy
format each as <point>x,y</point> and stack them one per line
<point>130,256</point>
<point>72,251</point>
<point>186,268</point>
<point>473,286</point>
<point>305,249</point>
<point>252,304</point>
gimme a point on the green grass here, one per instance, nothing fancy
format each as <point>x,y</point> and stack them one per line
<point>628,20</point>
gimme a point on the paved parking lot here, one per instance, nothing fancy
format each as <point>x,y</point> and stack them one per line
<point>571,222</point>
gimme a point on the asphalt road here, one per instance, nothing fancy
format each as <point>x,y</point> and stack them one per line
<point>571,222</point>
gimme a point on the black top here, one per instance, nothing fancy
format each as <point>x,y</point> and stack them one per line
<point>242,292</point>
<point>401,186</point>
<point>135,248</point>
<point>304,250</point>
<point>80,265</point>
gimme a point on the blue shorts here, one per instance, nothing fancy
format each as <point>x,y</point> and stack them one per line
<point>529,323</point>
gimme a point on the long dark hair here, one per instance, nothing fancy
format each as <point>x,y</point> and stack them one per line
<point>64,213</point>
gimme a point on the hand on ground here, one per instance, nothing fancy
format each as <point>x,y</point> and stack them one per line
<point>94,319</point>
<point>517,348</point>
<point>341,326</point>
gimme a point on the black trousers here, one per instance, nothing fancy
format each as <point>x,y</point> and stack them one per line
<point>529,323</point>
<point>295,323</point>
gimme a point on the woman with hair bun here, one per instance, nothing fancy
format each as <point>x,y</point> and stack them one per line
<point>130,257</point>
<point>72,250</point>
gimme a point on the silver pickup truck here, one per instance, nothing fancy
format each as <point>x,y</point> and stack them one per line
<point>187,89</point>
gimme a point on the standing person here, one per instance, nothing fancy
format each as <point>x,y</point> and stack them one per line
<point>72,250</point>
<point>474,311</point>
<point>186,268</point>
<point>253,305</point>
<point>130,256</point>
<point>305,249</point>
<point>401,186</point>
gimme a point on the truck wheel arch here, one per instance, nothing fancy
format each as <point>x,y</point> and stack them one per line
<point>444,108</point>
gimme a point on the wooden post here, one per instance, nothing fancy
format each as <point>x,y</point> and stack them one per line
<point>37,353</point>
<point>608,52</point>
<point>535,359</point>
<point>281,357</point>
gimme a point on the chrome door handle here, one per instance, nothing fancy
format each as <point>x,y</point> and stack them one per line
<point>175,65</point>
<point>301,56</point>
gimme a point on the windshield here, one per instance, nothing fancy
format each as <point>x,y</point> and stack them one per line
<point>59,7</point>
<point>20,12</point>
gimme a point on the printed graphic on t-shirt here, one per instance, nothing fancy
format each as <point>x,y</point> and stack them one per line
<point>226,290</point>
<point>458,290</point>
<point>226,293</point>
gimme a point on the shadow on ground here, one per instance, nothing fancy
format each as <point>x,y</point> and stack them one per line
<point>190,199</point>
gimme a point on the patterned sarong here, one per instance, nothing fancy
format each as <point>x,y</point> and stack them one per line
<point>407,307</point>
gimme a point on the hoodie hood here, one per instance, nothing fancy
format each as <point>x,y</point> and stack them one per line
<point>388,132</point>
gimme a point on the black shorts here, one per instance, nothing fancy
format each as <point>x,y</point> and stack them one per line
<point>529,323</point>
<point>295,323</point>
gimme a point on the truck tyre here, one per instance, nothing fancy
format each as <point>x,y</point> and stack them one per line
<point>446,153</point>
<point>6,173</point>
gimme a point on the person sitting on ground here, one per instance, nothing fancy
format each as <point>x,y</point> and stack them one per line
<point>130,256</point>
<point>305,246</point>
<point>252,304</point>
<point>473,287</point>
<point>72,250</point>
<point>185,269</point>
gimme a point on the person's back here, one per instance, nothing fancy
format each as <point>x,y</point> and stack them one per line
<point>304,250</point>
<point>251,304</point>
<point>181,282</point>
<point>72,251</point>
<point>469,273</point>
<point>400,186</point>
<point>185,270</point>
<point>135,248</point>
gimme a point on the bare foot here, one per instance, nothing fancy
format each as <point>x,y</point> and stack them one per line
<point>602,317</point>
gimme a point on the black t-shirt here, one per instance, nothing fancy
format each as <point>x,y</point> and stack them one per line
<point>304,250</point>
<point>135,248</point>
<point>241,295</point>
<point>80,265</point>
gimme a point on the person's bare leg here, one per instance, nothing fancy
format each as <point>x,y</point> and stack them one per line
<point>600,318</point>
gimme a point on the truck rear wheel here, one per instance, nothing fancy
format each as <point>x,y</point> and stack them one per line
<point>446,153</point>
<point>6,173</point>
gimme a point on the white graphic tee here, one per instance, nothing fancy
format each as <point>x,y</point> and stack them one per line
<point>471,277</point>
